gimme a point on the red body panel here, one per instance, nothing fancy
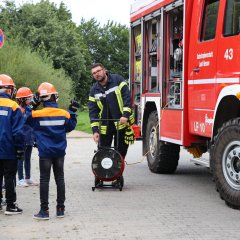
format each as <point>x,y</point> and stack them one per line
<point>209,66</point>
<point>170,123</point>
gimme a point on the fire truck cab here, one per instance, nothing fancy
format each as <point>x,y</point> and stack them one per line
<point>184,79</point>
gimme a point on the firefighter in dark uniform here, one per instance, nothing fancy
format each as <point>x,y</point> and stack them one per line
<point>110,98</point>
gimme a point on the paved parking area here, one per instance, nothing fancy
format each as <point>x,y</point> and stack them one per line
<point>151,206</point>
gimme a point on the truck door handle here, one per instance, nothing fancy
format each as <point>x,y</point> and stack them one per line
<point>196,70</point>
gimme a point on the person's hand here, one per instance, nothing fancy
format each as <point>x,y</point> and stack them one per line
<point>20,155</point>
<point>123,120</point>
<point>96,137</point>
<point>74,105</point>
<point>35,101</point>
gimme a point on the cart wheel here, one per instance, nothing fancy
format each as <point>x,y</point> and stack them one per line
<point>121,181</point>
<point>115,183</point>
<point>97,182</point>
<point>93,188</point>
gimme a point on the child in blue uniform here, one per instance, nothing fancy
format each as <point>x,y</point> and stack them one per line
<point>24,98</point>
<point>11,141</point>
<point>50,125</point>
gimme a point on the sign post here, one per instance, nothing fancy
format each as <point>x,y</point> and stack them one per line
<point>1,38</point>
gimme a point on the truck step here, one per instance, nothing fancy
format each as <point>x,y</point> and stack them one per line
<point>200,161</point>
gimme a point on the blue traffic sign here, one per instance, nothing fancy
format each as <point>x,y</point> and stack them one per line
<point>1,38</point>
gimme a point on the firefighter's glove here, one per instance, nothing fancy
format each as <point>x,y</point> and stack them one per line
<point>74,105</point>
<point>131,120</point>
<point>129,136</point>
<point>20,155</point>
<point>35,101</point>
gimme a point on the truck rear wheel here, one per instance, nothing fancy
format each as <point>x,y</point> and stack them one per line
<point>162,157</point>
<point>226,162</point>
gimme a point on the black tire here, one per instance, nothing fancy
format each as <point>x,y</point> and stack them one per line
<point>162,157</point>
<point>226,162</point>
<point>96,182</point>
<point>121,181</point>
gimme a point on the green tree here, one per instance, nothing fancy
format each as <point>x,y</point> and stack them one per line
<point>50,31</point>
<point>114,44</point>
<point>108,44</point>
<point>29,69</point>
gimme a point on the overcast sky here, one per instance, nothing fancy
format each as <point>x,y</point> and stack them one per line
<point>102,11</point>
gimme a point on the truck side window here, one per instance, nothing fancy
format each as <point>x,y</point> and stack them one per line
<point>232,18</point>
<point>209,21</point>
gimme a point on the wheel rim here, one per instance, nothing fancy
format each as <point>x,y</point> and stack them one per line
<point>153,142</point>
<point>231,164</point>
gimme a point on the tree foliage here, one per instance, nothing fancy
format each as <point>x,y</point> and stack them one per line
<point>49,31</point>
<point>108,44</point>
<point>23,66</point>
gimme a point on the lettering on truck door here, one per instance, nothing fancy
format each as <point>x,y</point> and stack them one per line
<point>203,66</point>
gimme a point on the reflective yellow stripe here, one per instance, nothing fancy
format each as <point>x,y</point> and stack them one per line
<point>127,109</point>
<point>131,120</point>
<point>119,99</point>
<point>121,85</point>
<point>95,124</point>
<point>92,99</point>
<point>100,107</point>
<point>103,129</point>
<point>119,126</point>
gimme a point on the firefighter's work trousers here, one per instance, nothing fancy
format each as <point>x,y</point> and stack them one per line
<point>119,143</point>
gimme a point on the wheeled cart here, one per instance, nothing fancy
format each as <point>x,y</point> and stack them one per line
<point>108,166</point>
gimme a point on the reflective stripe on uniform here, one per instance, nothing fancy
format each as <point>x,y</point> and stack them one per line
<point>103,129</point>
<point>3,113</point>
<point>95,124</point>
<point>121,85</point>
<point>131,120</point>
<point>119,99</point>
<point>111,89</point>
<point>127,109</point>
<point>52,122</point>
<point>100,105</point>
<point>92,99</point>
<point>98,95</point>
<point>119,126</point>
<point>118,94</point>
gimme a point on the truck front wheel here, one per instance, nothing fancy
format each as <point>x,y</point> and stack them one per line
<point>162,157</point>
<point>226,162</point>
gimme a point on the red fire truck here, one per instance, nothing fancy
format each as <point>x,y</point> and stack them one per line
<point>185,82</point>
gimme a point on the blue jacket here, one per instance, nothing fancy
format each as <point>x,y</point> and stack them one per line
<point>113,101</point>
<point>11,128</point>
<point>27,130</point>
<point>50,125</point>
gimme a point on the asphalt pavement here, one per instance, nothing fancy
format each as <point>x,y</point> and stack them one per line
<point>182,206</point>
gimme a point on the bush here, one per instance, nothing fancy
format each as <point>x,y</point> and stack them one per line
<point>28,69</point>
